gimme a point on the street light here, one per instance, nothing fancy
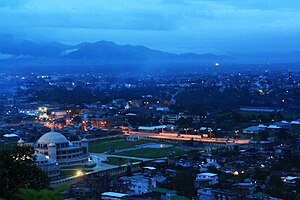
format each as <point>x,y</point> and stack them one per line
<point>79,173</point>
<point>186,130</point>
<point>209,132</point>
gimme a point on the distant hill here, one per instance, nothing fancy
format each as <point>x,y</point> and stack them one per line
<point>18,53</point>
<point>27,52</point>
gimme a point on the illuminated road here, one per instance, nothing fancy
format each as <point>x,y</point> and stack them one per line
<point>186,137</point>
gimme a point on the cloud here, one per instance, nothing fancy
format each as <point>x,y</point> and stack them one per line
<point>5,56</point>
<point>11,56</point>
<point>85,16</point>
<point>12,3</point>
<point>261,5</point>
<point>179,25</point>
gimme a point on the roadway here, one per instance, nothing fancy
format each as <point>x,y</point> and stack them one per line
<point>186,137</point>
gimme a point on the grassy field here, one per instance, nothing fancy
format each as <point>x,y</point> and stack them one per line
<point>119,161</point>
<point>152,152</point>
<point>101,146</point>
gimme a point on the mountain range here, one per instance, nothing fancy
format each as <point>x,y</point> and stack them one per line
<point>27,52</point>
<point>21,52</point>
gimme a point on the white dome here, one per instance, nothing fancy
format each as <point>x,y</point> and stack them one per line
<point>52,137</point>
<point>40,157</point>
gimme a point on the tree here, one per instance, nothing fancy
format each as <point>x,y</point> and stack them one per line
<point>262,118</point>
<point>282,134</point>
<point>195,109</point>
<point>185,122</point>
<point>237,117</point>
<point>18,170</point>
<point>263,135</point>
<point>260,174</point>
<point>183,182</point>
<point>45,194</point>
<point>77,119</point>
<point>128,171</point>
<point>276,181</point>
<point>213,169</point>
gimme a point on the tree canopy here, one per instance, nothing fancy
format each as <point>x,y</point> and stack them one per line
<point>18,170</point>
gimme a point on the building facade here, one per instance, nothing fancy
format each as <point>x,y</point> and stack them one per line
<point>57,147</point>
<point>47,165</point>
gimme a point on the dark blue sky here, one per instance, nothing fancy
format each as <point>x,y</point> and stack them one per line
<point>215,26</point>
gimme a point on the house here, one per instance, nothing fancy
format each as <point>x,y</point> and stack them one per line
<point>28,111</point>
<point>206,179</point>
<point>204,194</point>
<point>244,188</point>
<point>148,170</point>
<point>219,194</point>
<point>205,129</point>
<point>171,172</point>
<point>59,114</point>
<point>253,130</point>
<point>282,124</point>
<point>208,176</point>
<point>163,109</point>
<point>165,194</point>
<point>10,138</point>
<point>151,128</point>
<point>210,162</point>
<point>113,196</point>
<point>258,109</point>
<point>105,122</point>
<point>158,163</point>
<point>183,163</point>
<point>290,180</point>
<point>295,122</point>
<point>117,185</point>
<point>133,138</point>
<point>138,183</point>
<point>80,191</point>
<point>261,196</point>
<point>273,126</point>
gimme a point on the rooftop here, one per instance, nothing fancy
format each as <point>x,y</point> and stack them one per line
<point>114,194</point>
<point>208,174</point>
<point>52,137</point>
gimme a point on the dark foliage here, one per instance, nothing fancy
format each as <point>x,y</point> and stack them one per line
<point>18,170</point>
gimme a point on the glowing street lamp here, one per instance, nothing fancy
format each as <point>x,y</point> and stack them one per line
<point>210,132</point>
<point>235,173</point>
<point>186,130</point>
<point>79,173</point>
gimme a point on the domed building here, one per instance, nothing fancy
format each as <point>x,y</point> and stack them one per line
<point>47,165</point>
<point>57,147</point>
